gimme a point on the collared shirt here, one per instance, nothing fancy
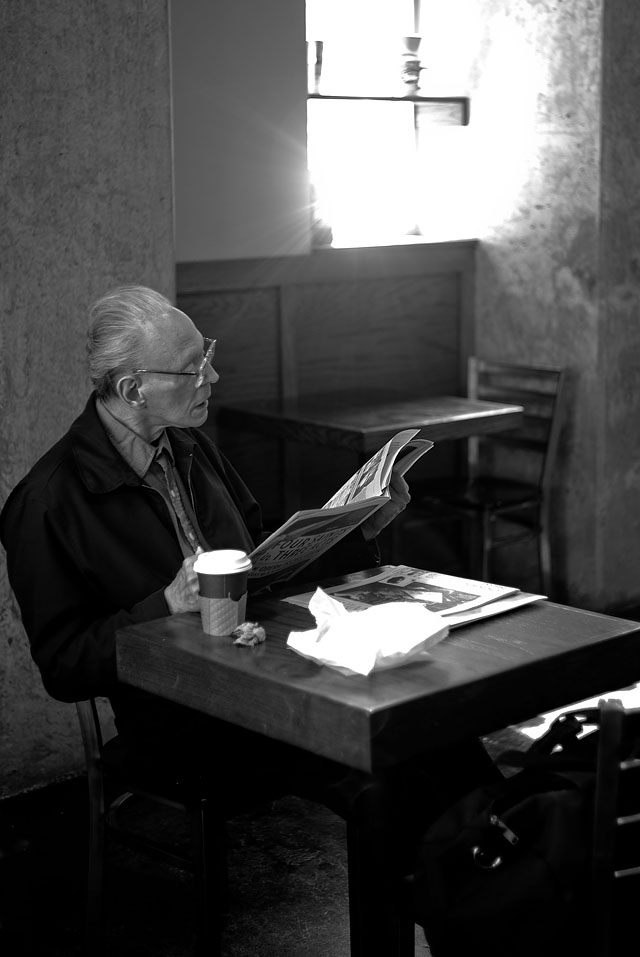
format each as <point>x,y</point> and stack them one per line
<point>154,463</point>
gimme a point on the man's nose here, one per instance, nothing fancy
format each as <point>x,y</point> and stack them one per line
<point>211,374</point>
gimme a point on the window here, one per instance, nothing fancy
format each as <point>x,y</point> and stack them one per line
<point>362,169</point>
<point>366,118</point>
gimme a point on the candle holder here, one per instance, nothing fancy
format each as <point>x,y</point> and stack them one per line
<point>410,65</point>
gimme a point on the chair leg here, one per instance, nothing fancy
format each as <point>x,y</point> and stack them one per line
<point>487,539</point>
<point>95,882</point>
<point>208,830</point>
<point>474,532</point>
<point>544,560</point>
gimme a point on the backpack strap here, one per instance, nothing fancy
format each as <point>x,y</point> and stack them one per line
<point>564,747</point>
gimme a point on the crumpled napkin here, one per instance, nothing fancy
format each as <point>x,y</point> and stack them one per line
<point>359,642</point>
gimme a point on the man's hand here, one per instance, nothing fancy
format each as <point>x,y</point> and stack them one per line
<point>182,594</point>
<point>399,500</point>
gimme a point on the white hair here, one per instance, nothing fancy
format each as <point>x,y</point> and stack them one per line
<point>118,323</point>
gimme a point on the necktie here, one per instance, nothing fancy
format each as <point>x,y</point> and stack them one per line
<point>184,526</point>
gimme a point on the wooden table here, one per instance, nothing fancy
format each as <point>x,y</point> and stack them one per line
<point>483,677</point>
<point>350,420</point>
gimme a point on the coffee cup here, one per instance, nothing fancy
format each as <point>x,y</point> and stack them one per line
<point>222,580</point>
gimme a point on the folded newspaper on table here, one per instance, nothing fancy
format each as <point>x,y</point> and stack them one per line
<point>310,532</point>
<point>458,601</point>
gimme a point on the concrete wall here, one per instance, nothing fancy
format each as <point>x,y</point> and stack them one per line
<point>85,182</point>
<point>240,129</point>
<point>558,277</point>
<point>618,371</point>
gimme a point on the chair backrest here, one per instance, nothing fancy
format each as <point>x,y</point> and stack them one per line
<point>616,835</point>
<point>528,452</point>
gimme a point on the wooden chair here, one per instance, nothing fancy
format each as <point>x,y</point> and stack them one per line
<point>107,772</point>
<point>503,492</point>
<point>616,835</point>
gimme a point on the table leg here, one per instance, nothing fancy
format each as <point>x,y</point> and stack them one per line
<point>379,923</point>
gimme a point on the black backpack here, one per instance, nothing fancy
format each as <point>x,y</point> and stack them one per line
<point>505,871</point>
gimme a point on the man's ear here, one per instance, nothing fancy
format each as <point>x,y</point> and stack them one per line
<point>128,389</point>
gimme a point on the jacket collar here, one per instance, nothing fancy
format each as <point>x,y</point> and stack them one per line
<point>100,465</point>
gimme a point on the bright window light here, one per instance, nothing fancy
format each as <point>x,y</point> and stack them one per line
<point>357,19</point>
<point>362,159</point>
<point>361,153</point>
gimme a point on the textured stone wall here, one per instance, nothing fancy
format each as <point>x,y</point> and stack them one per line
<point>618,466</point>
<point>558,267</point>
<point>85,182</point>
<point>537,298</point>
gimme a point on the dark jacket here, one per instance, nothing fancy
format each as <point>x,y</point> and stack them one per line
<point>91,548</point>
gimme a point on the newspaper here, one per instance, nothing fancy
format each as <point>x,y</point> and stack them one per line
<point>458,601</point>
<point>310,532</point>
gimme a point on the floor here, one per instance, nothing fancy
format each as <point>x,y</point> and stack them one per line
<point>287,875</point>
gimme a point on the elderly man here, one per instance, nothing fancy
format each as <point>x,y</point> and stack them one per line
<point>104,529</point>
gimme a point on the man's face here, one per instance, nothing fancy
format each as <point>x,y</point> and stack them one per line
<point>174,345</point>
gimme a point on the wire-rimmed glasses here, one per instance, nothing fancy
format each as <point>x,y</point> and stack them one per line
<point>208,350</point>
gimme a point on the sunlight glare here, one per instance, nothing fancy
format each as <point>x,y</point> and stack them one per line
<point>362,163</point>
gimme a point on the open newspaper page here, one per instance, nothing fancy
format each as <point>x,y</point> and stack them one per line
<point>311,532</point>
<point>373,478</point>
<point>458,601</point>
<point>304,537</point>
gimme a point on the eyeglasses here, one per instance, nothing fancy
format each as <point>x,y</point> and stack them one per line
<point>208,350</point>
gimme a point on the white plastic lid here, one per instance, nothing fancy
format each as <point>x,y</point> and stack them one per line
<point>224,561</point>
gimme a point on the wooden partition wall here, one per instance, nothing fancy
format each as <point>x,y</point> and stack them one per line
<point>398,317</point>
